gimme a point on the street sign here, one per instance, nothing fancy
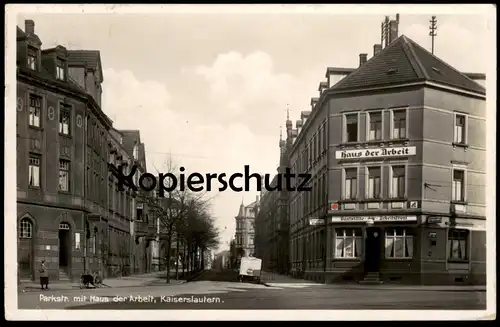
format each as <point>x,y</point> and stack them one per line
<point>413,205</point>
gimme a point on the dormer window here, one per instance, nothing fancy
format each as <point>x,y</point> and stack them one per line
<point>60,71</point>
<point>136,152</point>
<point>32,58</point>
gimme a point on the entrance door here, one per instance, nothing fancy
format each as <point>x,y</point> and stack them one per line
<point>64,246</point>
<point>372,249</point>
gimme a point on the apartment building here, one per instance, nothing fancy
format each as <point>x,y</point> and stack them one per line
<point>245,229</point>
<point>69,211</point>
<point>397,153</point>
<point>61,157</point>
<point>272,220</point>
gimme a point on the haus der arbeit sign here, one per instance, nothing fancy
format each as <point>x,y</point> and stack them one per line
<point>376,153</point>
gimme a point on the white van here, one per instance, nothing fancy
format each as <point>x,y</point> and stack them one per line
<point>250,269</point>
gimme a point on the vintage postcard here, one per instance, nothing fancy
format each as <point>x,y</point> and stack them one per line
<point>250,162</point>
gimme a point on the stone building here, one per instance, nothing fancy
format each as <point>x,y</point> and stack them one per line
<point>397,153</point>
<point>61,157</point>
<point>245,229</point>
<point>271,223</point>
<point>69,211</point>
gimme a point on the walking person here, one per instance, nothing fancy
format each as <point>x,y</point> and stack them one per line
<point>44,276</point>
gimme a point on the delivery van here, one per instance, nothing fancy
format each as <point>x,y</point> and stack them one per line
<point>250,269</point>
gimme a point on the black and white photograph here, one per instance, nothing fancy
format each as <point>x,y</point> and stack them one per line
<point>250,162</point>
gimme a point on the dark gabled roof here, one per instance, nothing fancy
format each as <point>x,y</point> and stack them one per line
<point>80,57</point>
<point>404,61</point>
<point>130,139</point>
<point>20,33</point>
<point>90,58</point>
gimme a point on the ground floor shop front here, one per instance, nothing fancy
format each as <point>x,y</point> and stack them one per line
<point>73,242</point>
<point>410,249</point>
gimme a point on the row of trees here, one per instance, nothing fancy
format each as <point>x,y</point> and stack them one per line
<point>185,220</point>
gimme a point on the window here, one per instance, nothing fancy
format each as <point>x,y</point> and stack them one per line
<point>458,186</point>
<point>92,244</point>
<point>64,119</point>
<point>136,152</point>
<point>398,243</point>
<point>374,189</point>
<point>351,184</point>
<point>460,129</point>
<point>251,240</point>
<point>64,175</point>
<point>348,243</point>
<point>139,214</point>
<point>32,58</point>
<point>375,131</point>
<point>399,129</point>
<point>77,241</point>
<point>457,244</point>
<point>34,171</point>
<point>35,110</point>
<point>398,182</point>
<point>352,128</point>
<point>25,228</point>
<point>60,69</point>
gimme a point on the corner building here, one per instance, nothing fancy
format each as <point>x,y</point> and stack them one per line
<point>397,153</point>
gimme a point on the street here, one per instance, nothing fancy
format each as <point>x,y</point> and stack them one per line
<point>216,290</point>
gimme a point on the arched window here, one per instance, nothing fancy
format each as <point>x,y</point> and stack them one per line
<point>25,228</point>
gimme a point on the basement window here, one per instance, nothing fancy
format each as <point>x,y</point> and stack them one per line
<point>392,71</point>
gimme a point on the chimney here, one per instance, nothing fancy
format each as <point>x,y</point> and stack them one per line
<point>377,48</point>
<point>362,58</point>
<point>29,26</point>
<point>393,30</point>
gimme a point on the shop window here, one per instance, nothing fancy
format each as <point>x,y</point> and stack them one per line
<point>348,243</point>
<point>398,243</point>
<point>458,244</point>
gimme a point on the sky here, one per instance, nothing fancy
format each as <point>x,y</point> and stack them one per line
<point>212,89</point>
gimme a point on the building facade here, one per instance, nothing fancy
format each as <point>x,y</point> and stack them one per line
<point>245,229</point>
<point>67,210</point>
<point>396,150</point>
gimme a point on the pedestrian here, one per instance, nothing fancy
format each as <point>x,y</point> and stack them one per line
<point>44,276</point>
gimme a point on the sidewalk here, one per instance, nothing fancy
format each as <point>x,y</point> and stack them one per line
<point>275,279</point>
<point>268,278</point>
<point>155,278</point>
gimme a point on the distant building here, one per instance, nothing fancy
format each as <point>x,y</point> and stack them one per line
<point>245,229</point>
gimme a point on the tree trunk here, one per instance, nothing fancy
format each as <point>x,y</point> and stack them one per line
<point>167,256</point>
<point>177,257</point>
<point>184,261</point>
<point>202,253</point>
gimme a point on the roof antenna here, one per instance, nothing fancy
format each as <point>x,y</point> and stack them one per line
<point>287,112</point>
<point>433,28</point>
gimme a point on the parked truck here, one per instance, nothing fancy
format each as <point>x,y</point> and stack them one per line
<point>250,269</point>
